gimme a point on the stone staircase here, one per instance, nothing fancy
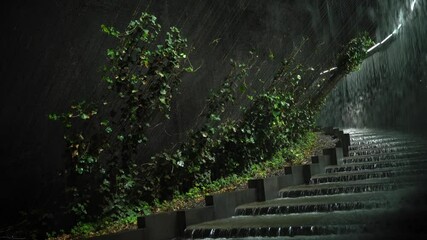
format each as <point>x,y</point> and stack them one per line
<point>376,192</point>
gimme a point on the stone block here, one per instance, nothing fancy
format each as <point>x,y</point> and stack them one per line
<point>224,204</point>
<point>268,188</point>
<point>335,154</point>
<point>163,225</point>
<point>300,174</point>
<point>198,215</point>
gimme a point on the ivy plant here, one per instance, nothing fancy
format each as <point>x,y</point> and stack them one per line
<point>352,55</point>
<point>142,76</point>
<point>104,137</point>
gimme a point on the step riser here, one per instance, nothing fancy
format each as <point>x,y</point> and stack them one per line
<point>376,141</point>
<point>385,151</point>
<point>341,206</point>
<point>377,165</point>
<point>369,134</point>
<point>381,173</point>
<point>273,231</point>
<point>357,177</point>
<point>384,145</point>
<point>376,158</point>
<point>377,137</point>
<point>341,190</point>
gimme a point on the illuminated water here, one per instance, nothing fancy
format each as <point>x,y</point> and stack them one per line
<point>378,191</point>
<point>390,90</point>
<point>363,198</point>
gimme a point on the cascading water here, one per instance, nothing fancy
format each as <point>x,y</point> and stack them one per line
<point>370,174</point>
<point>390,90</point>
<point>364,196</point>
<point>340,189</point>
<point>401,163</point>
<point>320,203</point>
<point>382,179</point>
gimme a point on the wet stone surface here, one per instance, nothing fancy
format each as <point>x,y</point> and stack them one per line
<point>375,193</point>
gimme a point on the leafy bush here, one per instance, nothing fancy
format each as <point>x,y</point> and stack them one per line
<point>105,180</point>
<point>104,137</point>
<point>348,60</point>
<point>222,147</point>
<point>354,53</point>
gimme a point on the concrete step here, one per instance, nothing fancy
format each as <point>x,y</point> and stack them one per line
<point>393,163</point>
<point>324,203</point>
<point>378,141</point>
<point>383,145</point>
<point>377,137</point>
<point>304,224</point>
<point>385,150</point>
<point>365,174</point>
<point>388,141</point>
<point>375,193</point>
<point>367,185</point>
<point>385,156</point>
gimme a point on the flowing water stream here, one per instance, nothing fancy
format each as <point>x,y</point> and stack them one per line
<point>377,192</point>
<point>367,196</point>
<point>390,90</point>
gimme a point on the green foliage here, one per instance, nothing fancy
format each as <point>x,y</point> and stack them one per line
<point>223,147</point>
<point>354,53</point>
<point>348,60</point>
<point>301,150</point>
<point>82,229</point>
<point>104,137</point>
<point>191,162</point>
<point>105,225</point>
<point>297,153</point>
<point>106,182</point>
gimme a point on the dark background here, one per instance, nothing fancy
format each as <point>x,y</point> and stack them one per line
<point>52,52</point>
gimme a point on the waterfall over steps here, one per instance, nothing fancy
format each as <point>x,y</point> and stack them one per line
<point>374,193</point>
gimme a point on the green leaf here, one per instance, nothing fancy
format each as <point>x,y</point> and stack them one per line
<point>215,117</point>
<point>270,55</point>
<point>111,53</point>
<point>189,69</point>
<point>107,79</point>
<point>110,30</point>
<point>105,123</point>
<point>121,138</point>
<point>160,74</point>
<point>53,117</point>
<point>84,116</point>
<point>105,28</point>
<point>108,130</point>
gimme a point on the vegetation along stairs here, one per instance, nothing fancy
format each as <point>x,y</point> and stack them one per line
<point>374,191</point>
<point>370,186</point>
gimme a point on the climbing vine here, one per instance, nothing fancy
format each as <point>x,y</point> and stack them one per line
<point>103,138</point>
<point>142,75</point>
<point>224,146</point>
<point>352,55</point>
<point>348,60</point>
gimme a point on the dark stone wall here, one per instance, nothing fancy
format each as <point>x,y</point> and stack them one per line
<point>52,52</point>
